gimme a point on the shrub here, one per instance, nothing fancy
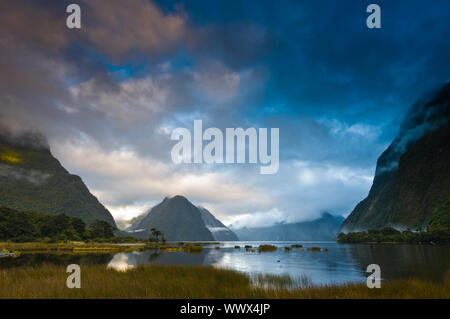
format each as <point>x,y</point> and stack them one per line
<point>266,248</point>
<point>195,249</point>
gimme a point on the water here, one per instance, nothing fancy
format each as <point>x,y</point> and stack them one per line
<point>342,263</point>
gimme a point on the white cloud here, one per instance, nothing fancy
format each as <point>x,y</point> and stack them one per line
<point>217,82</point>
<point>133,100</point>
<point>125,182</point>
<point>258,219</point>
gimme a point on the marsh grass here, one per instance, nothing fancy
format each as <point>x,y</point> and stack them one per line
<point>284,281</point>
<point>74,247</point>
<point>266,248</point>
<point>158,281</point>
<point>193,249</point>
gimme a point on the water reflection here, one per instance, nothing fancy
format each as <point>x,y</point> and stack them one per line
<point>342,263</point>
<point>404,261</point>
<point>121,262</point>
<point>37,259</point>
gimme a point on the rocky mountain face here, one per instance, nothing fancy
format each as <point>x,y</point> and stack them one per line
<point>218,230</point>
<point>179,219</point>
<point>323,228</point>
<point>31,179</point>
<point>411,188</point>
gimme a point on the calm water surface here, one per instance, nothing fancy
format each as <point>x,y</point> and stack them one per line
<point>342,263</point>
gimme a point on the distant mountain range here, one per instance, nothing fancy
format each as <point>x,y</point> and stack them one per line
<point>323,228</point>
<point>31,179</point>
<point>411,188</point>
<point>179,219</point>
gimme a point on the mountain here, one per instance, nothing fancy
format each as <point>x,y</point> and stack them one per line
<point>179,219</point>
<point>323,228</point>
<point>411,188</point>
<point>31,179</point>
<point>218,230</point>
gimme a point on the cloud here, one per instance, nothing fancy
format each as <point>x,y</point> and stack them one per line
<point>123,180</point>
<point>217,82</point>
<point>108,95</point>
<point>259,219</point>
<point>131,101</point>
<point>31,176</point>
<point>117,28</point>
<point>31,25</point>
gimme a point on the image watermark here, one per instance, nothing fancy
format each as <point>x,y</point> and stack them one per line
<point>73,20</point>
<point>74,279</point>
<point>237,149</point>
<point>374,279</point>
<point>374,19</point>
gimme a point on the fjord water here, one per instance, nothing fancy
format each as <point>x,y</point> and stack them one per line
<point>341,263</point>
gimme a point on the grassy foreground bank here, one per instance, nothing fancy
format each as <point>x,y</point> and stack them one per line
<point>157,281</point>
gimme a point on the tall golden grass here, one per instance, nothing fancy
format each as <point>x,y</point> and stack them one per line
<point>158,281</point>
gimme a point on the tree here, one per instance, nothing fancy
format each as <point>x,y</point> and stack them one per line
<point>156,234</point>
<point>100,229</point>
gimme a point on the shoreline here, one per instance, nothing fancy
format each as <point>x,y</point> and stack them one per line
<point>193,282</point>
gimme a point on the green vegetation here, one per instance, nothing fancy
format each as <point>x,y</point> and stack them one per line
<point>434,235</point>
<point>283,281</point>
<point>441,217</point>
<point>266,248</point>
<point>157,236</point>
<point>191,282</point>
<point>18,226</point>
<point>71,247</point>
<point>195,249</point>
<point>237,247</point>
<point>417,193</point>
<point>35,181</point>
<point>296,246</point>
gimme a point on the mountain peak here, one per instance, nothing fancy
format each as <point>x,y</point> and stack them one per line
<point>178,198</point>
<point>412,174</point>
<point>179,219</point>
<point>33,180</point>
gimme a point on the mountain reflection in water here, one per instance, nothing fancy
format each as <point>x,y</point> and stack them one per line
<point>341,263</point>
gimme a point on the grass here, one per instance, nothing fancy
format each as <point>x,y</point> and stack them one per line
<point>158,281</point>
<point>266,248</point>
<point>74,247</point>
<point>193,249</point>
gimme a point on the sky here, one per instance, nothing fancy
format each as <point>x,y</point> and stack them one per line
<point>108,95</point>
